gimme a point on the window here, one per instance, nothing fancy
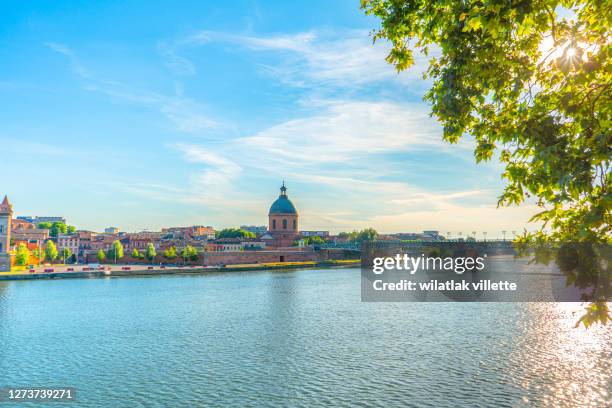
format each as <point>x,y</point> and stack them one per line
<point>294,224</point>
<point>1,229</point>
<point>284,223</point>
<point>273,224</point>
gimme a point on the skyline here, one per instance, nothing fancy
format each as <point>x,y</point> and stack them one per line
<point>196,115</point>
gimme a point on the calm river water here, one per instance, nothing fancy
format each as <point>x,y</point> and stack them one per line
<point>298,338</point>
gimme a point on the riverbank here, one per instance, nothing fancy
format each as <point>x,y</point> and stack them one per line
<point>144,270</point>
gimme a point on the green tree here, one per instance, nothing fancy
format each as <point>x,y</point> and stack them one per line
<point>115,252</point>
<point>530,80</point>
<point>234,233</point>
<point>22,255</point>
<point>39,255</point>
<point>193,253</point>
<point>189,252</point>
<point>368,234</point>
<point>101,256</point>
<point>150,252</point>
<point>65,254</point>
<point>58,228</point>
<point>50,251</point>
<point>316,240</point>
<point>170,253</point>
<point>70,229</point>
<point>135,254</point>
<point>44,225</point>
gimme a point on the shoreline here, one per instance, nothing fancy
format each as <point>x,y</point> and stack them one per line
<point>178,270</point>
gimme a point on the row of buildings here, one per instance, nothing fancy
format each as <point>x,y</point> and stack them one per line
<point>281,234</point>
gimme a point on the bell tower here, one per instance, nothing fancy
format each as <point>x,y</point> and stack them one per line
<point>6,215</point>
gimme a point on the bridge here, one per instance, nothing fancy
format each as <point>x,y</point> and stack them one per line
<point>490,244</point>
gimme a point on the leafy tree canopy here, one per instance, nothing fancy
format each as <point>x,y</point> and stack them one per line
<point>530,81</point>
<point>150,252</point>
<point>234,233</point>
<point>66,253</point>
<point>58,228</point>
<point>50,251</point>
<point>39,255</point>
<point>368,234</point>
<point>316,240</point>
<point>22,255</point>
<point>170,253</point>
<point>189,252</point>
<point>115,251</point>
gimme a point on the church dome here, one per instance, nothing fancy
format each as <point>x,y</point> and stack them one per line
<point>283,204</point>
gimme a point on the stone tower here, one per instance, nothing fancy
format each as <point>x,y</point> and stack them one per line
<point>283,220</point>
<point>6,214</point>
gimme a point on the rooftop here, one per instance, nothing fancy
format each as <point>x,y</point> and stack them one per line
<point>283,204</point>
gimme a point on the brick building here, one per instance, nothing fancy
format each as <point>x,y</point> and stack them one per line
<point>68,241</point>
<point>6,216</point>
<point>283,220</point>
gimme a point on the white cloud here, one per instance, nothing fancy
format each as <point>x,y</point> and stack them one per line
<point>187,114</point>
<point>336,150</point>
<point>347,131</point>
<point>335,154</point>
<point>28,148</point>
<point>219,170</point>
<point>457,219</point>
<point>75,63</point>
<point>345,58</point>
<point>178,64</point>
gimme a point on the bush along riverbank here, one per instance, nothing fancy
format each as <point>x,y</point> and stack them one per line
<point>144,270</point>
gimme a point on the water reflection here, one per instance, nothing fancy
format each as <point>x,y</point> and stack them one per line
<point>299,338</point>
<point>563,365</point>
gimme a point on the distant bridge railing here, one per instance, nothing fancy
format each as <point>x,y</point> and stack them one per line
<point>356,246</point>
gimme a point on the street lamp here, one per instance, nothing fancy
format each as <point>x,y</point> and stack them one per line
<point>504,235</point>
<point>484,234</point>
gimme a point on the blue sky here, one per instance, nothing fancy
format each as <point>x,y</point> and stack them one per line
<point>148,114</point>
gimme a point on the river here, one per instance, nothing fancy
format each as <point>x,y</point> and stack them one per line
<point>298,338</point>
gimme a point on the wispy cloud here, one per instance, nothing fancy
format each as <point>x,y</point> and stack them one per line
<point>176,63</point>
<point>342,58</point>
<point>347,131</point>
<point>218,171</point>
<point>342,147</point>
<point>75,63</point>
<point>27,148</point>
<point>335,153</point>
<point>187,114</point>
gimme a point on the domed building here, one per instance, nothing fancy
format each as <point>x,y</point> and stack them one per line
<point>283,220</point>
